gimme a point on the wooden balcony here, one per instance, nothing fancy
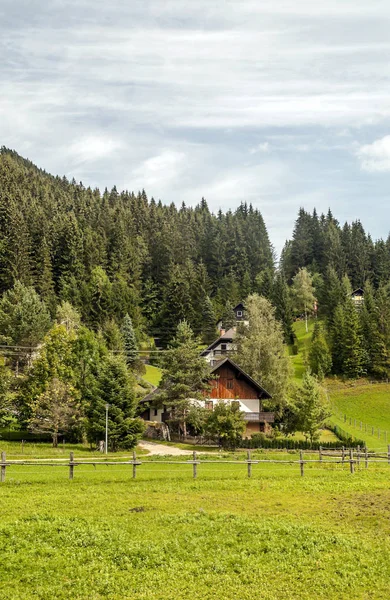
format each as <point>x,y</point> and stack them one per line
<point>259,417</point>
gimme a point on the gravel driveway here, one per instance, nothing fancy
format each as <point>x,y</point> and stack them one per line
<point>156,449</point>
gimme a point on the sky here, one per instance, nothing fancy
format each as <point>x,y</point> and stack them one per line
<point>282,103</point>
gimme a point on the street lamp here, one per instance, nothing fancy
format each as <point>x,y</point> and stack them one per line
<point>106,443</point>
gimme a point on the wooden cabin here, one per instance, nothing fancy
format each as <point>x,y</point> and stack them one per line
<point>232,384</point>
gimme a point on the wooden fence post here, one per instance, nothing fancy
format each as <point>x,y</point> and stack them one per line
<point>301,462</point>
<point>249,464</point>
<point>134,465</point>
<point>320,452</point>
<point>388,454</point>
<point>71,465</point>
<point>194,466</point>
<point>366,457</point>
<point>342,455</point>
<point>3,467</point>
<point>351,465</point>
<point>22,446</point>
<point>358,456</point>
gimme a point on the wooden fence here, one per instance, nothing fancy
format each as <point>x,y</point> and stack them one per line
<point>348,456</point>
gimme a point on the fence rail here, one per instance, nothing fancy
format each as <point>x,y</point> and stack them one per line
<point>348,456</point>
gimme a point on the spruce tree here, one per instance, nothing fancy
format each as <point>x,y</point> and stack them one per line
<point>209,322</point>
<point>129,342</point>
<point>320,360</point>
<point>283,309</point>
<point>185,376</point>
<point>354,353</point>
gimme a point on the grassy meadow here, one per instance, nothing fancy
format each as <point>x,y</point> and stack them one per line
<point>165,535</point>
<point>368,403</point>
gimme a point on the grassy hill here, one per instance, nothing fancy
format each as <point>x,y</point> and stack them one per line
<point>153,375</point>
<point>359,401</point>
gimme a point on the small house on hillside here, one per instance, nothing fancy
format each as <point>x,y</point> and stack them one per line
<point>228,383</point>
<point>233,384</point>
<point>239,316</point>
<point>358,297</point>
<point>239,311</point>
<point>221,347</point>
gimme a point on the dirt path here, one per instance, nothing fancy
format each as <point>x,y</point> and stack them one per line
<point>156,449</point>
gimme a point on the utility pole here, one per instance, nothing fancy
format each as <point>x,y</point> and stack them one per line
<point>106,442</point>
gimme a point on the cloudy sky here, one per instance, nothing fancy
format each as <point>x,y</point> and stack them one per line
<point>282,103</point>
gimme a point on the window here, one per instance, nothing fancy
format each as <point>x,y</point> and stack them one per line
<point>155,412</point>
<point>223,348</point>
<point>229,384</point>
<point>208,405</point>
<point>239,313</point>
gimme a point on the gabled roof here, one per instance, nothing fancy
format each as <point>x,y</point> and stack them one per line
<point>358,291</point>
<point>228,336</point>
<point>149,397</point>
<point>244,375</point>
<point>238,306</point>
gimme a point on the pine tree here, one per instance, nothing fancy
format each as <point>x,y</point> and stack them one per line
<point>129,342</point>
<point>209,322</point>
<point>283,310</point>
<point>185,376</point>
<point>311,408</point>
<point>320,360</point>
<point>354,354</point>
<point>116,388</point>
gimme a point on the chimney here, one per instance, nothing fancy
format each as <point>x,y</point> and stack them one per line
<point>222,332</point>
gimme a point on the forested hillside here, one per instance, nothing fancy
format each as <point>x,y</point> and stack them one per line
<point>321,244</point>
<point>110,253</point>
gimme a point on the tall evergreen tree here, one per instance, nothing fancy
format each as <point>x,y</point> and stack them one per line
<point>129,342</point>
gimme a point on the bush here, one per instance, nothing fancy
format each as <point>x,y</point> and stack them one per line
<point>259,440</point>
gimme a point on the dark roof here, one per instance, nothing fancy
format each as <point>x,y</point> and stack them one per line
<point>228,336</point>
<point>239,305</point>
<point>245,375</point>
<point>149,397</point>
<point>358,291</point>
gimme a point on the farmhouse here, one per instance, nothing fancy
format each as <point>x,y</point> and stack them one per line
<point>230,383</point>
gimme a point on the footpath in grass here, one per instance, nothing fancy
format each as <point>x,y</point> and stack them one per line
<point>165,535</point>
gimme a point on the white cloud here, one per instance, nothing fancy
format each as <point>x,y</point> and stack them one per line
<point>263,147</point>
<point>375,157</point>
<point>93,147</point>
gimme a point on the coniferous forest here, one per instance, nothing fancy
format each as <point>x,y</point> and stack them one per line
<point>96,274</point>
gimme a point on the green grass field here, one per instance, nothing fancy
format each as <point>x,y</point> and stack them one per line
<point>152,375</point>
<point>167,536</point>
<point>366,402</point>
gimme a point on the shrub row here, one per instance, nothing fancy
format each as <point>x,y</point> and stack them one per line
<point>27,436</point>
<point>259,441</point>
